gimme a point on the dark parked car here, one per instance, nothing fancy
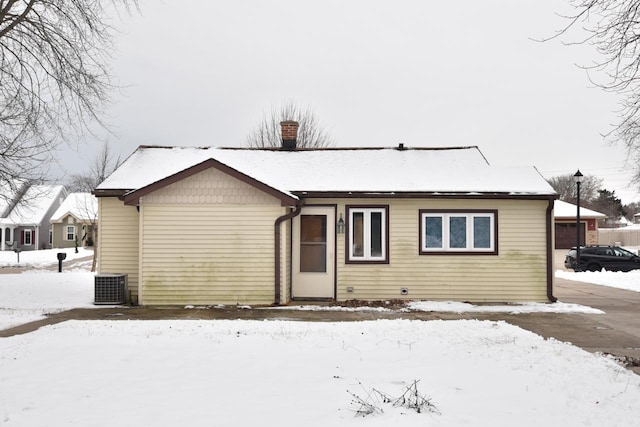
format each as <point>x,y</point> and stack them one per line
<point>595,258</point>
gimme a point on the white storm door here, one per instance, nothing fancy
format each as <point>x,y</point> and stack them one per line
<point>313,253</point>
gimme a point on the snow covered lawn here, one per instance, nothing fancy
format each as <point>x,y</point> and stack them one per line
<point>244,373</point>
<point>29,296</point>
<point>41,259</point>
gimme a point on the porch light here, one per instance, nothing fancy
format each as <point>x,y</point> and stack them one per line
<point>340,225</point>
<point>578,177</point>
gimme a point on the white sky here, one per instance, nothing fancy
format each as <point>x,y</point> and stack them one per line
<point>375,73</point>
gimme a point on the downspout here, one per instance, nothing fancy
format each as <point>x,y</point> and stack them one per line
<point>279,221</point>
<point>550,253</point>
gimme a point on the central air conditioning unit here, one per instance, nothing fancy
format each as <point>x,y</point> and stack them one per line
<point>110,289</point>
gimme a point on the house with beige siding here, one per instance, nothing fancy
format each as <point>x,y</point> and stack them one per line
<point>72,224</point>
<point>203,226</point>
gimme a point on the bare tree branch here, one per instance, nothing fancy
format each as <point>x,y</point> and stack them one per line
<point>311,133</point>
<point>566,188</point>
<point>100,168</point>
<point>54,78</point>
<point>613,27</point>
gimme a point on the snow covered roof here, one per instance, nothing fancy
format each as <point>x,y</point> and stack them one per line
<point>34,205</point>
<point>83,206</point>
<point>339,170</point>
<point>567,210</point>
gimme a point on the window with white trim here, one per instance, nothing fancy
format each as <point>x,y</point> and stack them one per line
<point>368,234</point>
<point>458,232</point>
<point>70,234</point>
<point>28,238</point>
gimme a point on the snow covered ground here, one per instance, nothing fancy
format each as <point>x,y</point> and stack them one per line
<point>231,373</point>
<point>40,259</point>
<point>245,373</point>
<point>31,295</point>
<point>615,279</point>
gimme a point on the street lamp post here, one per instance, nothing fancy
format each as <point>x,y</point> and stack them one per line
<point>578,177</point>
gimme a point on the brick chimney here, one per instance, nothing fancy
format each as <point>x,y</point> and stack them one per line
<point>289,134</point>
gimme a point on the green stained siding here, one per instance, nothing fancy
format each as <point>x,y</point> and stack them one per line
<point>517,273</point>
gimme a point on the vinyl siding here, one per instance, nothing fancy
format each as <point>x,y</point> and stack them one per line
<point>118,240</point>
<point>210,254</point>
<point>517,273</point>
<point>209,239</point>
<point>59,230</point>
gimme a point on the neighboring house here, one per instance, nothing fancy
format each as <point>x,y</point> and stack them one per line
<point>72,223</point>
<point>565,215</point>
<point>253,226</point>
<point>620,222</point>
<point>25,222</point>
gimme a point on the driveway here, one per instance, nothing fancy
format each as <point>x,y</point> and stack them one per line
<point>616,332</point>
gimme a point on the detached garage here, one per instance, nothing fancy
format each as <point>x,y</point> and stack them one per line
<point>565,225</point>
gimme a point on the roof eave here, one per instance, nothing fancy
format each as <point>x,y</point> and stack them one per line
<point>110,192</point>
<point>424,195</point>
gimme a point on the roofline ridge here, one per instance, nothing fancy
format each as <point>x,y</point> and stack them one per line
<point>170,147</point>
<point>356,148</point>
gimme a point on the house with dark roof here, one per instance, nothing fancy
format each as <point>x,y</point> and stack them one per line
<point>203,225</point>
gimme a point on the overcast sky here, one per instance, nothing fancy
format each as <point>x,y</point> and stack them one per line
<point>376,73</point>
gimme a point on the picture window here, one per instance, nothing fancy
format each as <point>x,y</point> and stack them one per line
<point>458,232</point>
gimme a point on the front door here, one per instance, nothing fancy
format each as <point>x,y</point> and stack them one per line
<point>313,257</point>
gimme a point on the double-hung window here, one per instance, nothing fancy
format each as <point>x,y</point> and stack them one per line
<point>71,232</point>
<point>457,231</point>
<point>27,238</point>
<point>368,234</point>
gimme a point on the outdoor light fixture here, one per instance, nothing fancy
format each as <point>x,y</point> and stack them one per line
<point>341,225</point>
<point>578,177</point>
